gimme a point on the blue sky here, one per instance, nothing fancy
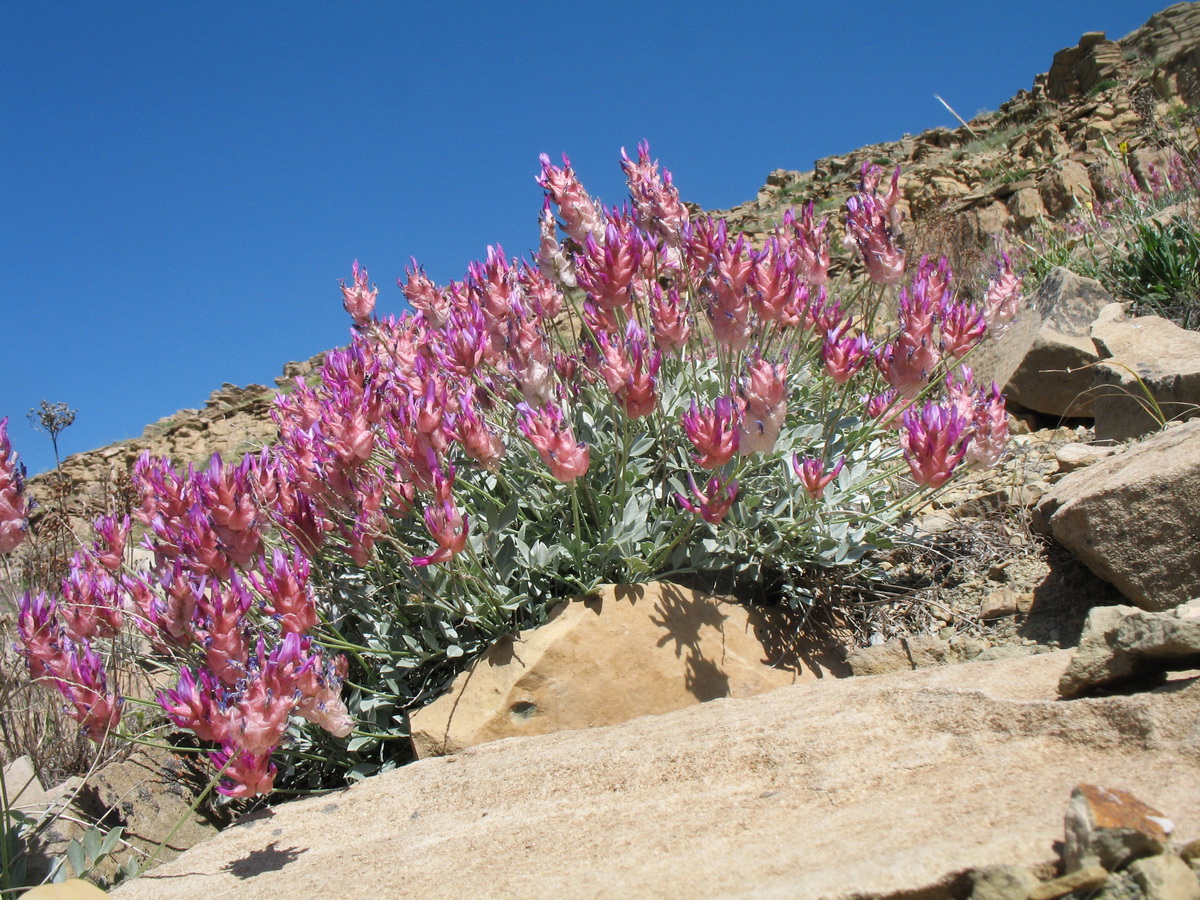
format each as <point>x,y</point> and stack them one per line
<point>183,184</point>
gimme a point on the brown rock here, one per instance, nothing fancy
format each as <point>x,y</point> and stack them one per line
<point>1054,375</point>
<point>1002,883</point>
<point>1084,880</point>
<point>1078,456</point>
<point>916,652</point>
<point>1026,207</point>
<point>1132,518</point>
<point>856,787</point>
<point>1065,187</point>
<point>1148,355</point>
<point>627,651</point>
<point>999,604</point>
<point>1120,643</point>
<point>1165,877</point>
<point>1109,827</point>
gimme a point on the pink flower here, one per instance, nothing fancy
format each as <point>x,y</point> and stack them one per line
<point>555,442</point>
<point>962,328</point>
<point>713,432</point>
<point>449,527</point>
<point>763,399</point>
<point>13,522</point>
<point>358,300</point>
<point>669,315</point>
<point>711,504</point>
<point>934,442</point>
<point>810,246</point>
<point>870,228</point>
<point>286,592</point>
<point>246,775</point>
<point>812,474</point>
<point>1003,297</point>
<point>908,362</point>
<point>581,215</point>
<point>844,354</point>
<point>659,211</point>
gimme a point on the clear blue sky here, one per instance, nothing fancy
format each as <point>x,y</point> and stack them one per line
<point>183,184</point>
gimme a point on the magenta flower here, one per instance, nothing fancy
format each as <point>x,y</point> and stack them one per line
<point>844,354</point>
<point>550,434</point>
<point>962,328</point>
<point>934,440</point>
<point>655,198</point>
<point>713,432</point>
<point>711,504</point>
<point>449,527</point>
<point>812,474</point>
<point>870,227</point>
<point>359,300</point>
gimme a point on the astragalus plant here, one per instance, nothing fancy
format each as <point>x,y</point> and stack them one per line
<point>651,397</point>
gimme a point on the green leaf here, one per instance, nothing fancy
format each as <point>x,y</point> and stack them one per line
<point>78,858</point>
<point>111,840</point>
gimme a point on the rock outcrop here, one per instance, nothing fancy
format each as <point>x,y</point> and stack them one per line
<point>1149,371</point>
<point>1132,518</point>
<point>900,784</point>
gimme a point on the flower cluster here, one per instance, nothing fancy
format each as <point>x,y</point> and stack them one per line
<point>13,508</point>
<point>653,393</point>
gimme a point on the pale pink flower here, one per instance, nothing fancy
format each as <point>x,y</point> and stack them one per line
<point>359,300</point>
<point>13,521</point>
<point>1003,297</point>
<point>713,432</point>
<point>581,215</point>
<point>550,434</point>
<point>763,402</point>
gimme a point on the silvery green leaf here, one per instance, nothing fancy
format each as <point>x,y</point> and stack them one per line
<point>454,651</point>
<point>359,741</point>
<point>77,857</point>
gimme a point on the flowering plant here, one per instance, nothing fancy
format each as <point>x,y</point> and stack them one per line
<point>654,398</point>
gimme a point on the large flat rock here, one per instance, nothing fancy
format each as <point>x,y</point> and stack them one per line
<point>859,787</point>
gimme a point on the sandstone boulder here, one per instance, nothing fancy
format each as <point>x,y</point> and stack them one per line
<point>626,651</point>
<point>1122,643</point>
<point>1053,376</point>
<point>1133,518</point>
<point>1146,355</point>
<point>856,787</point>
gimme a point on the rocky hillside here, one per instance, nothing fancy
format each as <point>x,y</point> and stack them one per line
<point>1043,153</point>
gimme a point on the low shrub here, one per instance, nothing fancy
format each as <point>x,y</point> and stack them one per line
<point>655,398</point>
